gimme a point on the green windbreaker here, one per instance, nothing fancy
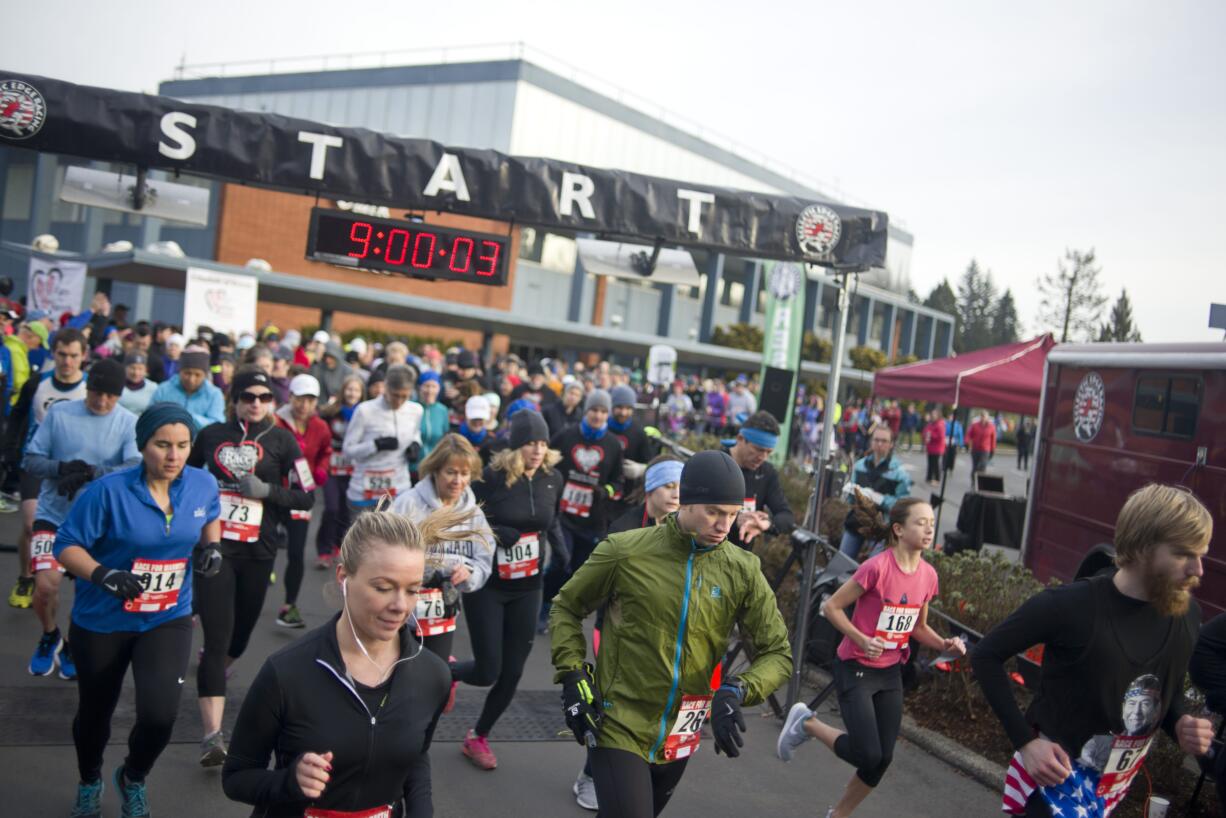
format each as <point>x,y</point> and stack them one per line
<point>672,606</point>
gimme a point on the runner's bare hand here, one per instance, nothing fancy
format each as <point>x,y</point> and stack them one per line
<point>1195,735</point>
<point>874,647</point>
<point>460,575</point>
<point>312,772</point>
<point>955,645</point>
<point>1046,762</point>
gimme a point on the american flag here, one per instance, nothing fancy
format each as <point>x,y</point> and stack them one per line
<point>1075,798</point>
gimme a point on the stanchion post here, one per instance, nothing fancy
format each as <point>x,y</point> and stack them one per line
<point>813,517</point>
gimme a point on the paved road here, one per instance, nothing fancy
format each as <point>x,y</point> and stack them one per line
<point>38,775</point>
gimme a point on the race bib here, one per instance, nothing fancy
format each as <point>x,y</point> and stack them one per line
<point>339,465</point>
<point>376,812</point>
<point>1124,762</point>
<point>577,500</point>
<point>682,742</point>
<point>42,557</point>
<point>303,470</point>
<point>296,514</point>
<point>523,559</point>
<point>161,580</point>
<point>895,624</point>
<point>378,482</point>
<point>240,517</point>
<point>431,613</point>
<point>750,505</point>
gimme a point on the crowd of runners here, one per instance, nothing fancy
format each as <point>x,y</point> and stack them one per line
<point>166,474</point>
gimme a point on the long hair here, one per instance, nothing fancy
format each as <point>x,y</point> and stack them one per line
<point>384,527</point>
<point>876,527</point>
<point>511,463</point>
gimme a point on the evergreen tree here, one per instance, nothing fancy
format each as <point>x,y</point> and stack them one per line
<point>1120,327</point>
<point>1072,298</point>
<point>976,305</point>
<point>942,298</point>
<point>1006,328</point>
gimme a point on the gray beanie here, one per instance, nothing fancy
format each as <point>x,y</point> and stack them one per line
<point>598,398</point>
<point>622,396</point>
<point>712,478</point>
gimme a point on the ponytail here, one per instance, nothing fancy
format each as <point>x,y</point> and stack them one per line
<point>874,526</point>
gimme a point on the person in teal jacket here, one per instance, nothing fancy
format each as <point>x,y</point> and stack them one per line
<point>434,420</point>
<point>191,389</point>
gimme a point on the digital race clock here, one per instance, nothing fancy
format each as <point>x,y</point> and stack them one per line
<point>407,248</point>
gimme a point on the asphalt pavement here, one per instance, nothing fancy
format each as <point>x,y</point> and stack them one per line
<point>534,778</point>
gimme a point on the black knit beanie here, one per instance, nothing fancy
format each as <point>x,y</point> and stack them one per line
<point>106,376</point>
<point>712,478</point>
<point>527,426</point>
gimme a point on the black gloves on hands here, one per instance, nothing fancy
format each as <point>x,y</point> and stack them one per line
<point>69,484</point>
<point>413,452</point>
<point>253,487</point>
<point>727,723</point>
<point>386,444</point>
<point>206,560</point>
<point>68,467</point>
<point>120,584</point>
<point>581,705</point>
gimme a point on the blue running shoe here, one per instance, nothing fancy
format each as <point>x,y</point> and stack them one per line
<point>132,798</point>
<point>89,801</point>
<point>68,668</point>
<point>46,654</point>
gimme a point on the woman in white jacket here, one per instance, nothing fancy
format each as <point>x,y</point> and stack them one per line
<point>384,435</point>
<point>462,566</point>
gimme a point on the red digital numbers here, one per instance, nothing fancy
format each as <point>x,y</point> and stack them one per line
<point>455,265</point>
<point>428,261</point>
<point>393,256</point>
<point>364,240</point>
<point>492,258</point>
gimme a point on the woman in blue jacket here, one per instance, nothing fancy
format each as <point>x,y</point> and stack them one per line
<point>132,541</point>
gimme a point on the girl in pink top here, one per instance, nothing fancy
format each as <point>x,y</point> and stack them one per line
<point>890,592</point>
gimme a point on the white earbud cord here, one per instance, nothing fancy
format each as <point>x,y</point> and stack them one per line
<point>388,671</point>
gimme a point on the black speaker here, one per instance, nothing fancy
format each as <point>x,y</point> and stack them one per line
<point>777,386</point>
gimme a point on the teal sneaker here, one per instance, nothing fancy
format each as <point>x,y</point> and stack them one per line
<point>89,800</point>
<point>132,798</point>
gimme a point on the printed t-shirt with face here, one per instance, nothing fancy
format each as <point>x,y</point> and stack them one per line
<point>889,608</point>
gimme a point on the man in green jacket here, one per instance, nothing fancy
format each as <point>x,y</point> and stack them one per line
<point>674,593</point>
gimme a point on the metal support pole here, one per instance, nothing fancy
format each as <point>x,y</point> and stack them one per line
<point>812,518</point>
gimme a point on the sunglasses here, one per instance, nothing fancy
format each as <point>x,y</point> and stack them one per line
<point>252,397</point>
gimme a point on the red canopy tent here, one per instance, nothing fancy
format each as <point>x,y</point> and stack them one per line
<point>1007,378</point>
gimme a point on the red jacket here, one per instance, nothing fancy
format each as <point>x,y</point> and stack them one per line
<point>982,436</point>
<point>316,443</point>
<point>934,437</point>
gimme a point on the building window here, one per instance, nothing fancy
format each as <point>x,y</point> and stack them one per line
<point>1166,405</point>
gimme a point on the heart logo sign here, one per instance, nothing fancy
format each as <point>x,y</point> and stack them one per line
<point>238,460</point>
<point>44,286</point>
<point>587,458</point>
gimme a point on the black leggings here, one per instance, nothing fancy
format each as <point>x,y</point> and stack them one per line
<point>229,605</point>
<point>502,625</point>
<point>295,542</point>
<point>628,787</point>
<point>870,701</point>
<point>439,645</point>
<point>336,517</point>
<point>934,467</point>
<point>158,658</point>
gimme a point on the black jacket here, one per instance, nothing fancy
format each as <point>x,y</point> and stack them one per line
<point>302,701</point>
<point>589,465</point>
<point>557,418</point>
<point>764,488</point>
<point>530,505</point>
<point>225,449</point>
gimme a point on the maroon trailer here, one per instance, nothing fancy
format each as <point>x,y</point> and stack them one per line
<point>1114,417</point>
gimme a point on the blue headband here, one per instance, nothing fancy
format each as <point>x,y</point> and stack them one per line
<point>428,376</point>
<point>759,437</point>
<point>661,474</point>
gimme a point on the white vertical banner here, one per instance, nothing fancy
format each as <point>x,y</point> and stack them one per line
<point>224,301</point>
<point>55,286</point>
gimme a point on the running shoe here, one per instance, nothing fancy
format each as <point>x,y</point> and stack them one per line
<point>68,668</point>
<point>288,617</point>
<point>132,800</point>
<point>47,654</point>
<point>213,750</point>
<point>450,705</point>
<point>272,578</point>
<point>7,506</point>
<point>585,792</point>
<point>478,751</point>
<point>89,800</point>
<point>793,733</point>
<point>22,595</point>
<point>324,562</point>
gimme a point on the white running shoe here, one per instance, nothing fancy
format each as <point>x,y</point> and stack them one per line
<point>585,792</point>
<point>793,733</point>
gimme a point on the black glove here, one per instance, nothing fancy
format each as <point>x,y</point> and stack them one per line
<point>386,444</point>
<point>506,535</point>
<point>68,467</point>
<point>727,723</point>
<point>120,584</point>
<point>413,452</point>
<point>206,560</point>
<point>581,705</point>
<point>73,482</point>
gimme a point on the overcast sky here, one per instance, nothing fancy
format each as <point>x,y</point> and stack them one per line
<point>1003,132</point>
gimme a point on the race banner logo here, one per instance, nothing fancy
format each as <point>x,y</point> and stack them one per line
<point>818,229</point>
<point>22,109</point>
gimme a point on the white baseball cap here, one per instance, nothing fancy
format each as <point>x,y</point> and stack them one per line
<point>477,408</point>
<point>321,337</point>
<point>358,345</point>
<point>176,340</point>
<point>304,385</point>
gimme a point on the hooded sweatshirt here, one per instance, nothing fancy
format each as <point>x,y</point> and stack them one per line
<point>331,380</point>
<point>476,554</point>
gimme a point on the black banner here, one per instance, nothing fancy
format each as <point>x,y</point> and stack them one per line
<point>358,164</point>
